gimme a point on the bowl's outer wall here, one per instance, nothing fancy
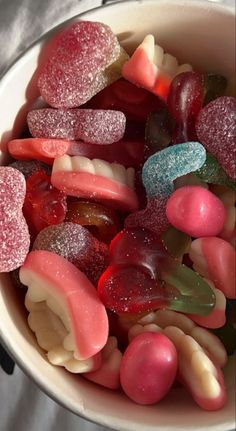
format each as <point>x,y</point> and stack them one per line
<point>197,32</point>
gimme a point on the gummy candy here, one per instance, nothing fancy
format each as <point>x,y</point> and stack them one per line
<point>151,69</point>
<point>184,102</point>
<point>176,243</point>
<point>109,183</point>
<point>142,277</point>
<point>70,296</point>
<point>213,173</point>
<point>27,168</point>
<point>78,65</point>
<point>94,126</point>
<point>158,133</point>
<point>101,221</point>
<point>161,169</point>
<point>76,244</point>
<point>44,205</point>
<point>216,130</point>
<point>214,258</point>
<point>148,368</point>
<point>14,233</point>
<point>228,197</point>
<point>135,102</point>
<point>196,211</point>
<point>214,86</point>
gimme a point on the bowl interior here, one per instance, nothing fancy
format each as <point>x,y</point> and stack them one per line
<point>198,32</point>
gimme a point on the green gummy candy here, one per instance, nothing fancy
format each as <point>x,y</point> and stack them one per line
<point>175,242</point>
<point>213,173</point>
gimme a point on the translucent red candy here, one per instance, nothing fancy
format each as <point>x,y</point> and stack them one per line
<point>216,130</point>
<point>76,244</point>
<point>73,72</point>
<point>101,221</point>
<point>185,100</point>
<point>14,233</point>
<point>90,125</point>
<point>135,102</point>
<point>44,205</point>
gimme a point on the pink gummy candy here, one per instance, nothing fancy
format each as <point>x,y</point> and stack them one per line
<point>96,126</point>
<point>14,233</point>
<point>153,217</point>
<point>67,284</point>
<point>73,72</point>
<point>148,368</point>
<point>216,130</point>
<point>76,244</point>
<point>196,211</point>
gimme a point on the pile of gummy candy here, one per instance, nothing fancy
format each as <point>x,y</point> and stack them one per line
<point>118,217</point>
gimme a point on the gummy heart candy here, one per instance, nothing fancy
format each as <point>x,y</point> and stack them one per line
<point>135,102</point>
<point>151,69</point>
<point>158,133</point>
<point>44,205</point>
<point>161,169</point>
<point>216,130</point>
<point>94,126</point>
<point>77,245</point>
<point>101,221</point>
<point>14,233</point>
<point>142,277</point>
<point>78,65</point>
<point>54,282</point>
<point>109,183</point>
<point>28,168</point>
<point>213,173</point>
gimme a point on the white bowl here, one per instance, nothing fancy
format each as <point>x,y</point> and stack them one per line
<point>198,32</point>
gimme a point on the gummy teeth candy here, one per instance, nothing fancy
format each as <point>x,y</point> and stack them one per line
<point>75,328</point>
<point>96,179</point>
<point>151,68</point>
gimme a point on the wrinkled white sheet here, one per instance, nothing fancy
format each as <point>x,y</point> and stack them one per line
<point>23,407</point>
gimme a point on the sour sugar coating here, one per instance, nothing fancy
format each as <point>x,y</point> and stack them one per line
<point>108,374</point>
<point>68,293</point>
<point>214,258</point>
<point>151,68</point>
<point>96,126</point>
<point>201,376</point>
<point>14,233</point>
<point>196,211</point>
<point>161,169</point>
<point>109,183</point>
<point>27,168</point>
<point>216,130</point>
<point>76,244</point>
<point>148,368</point>
<point>77,67</point>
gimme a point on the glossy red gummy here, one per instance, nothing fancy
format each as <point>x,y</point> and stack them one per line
<point>216,130</point>
<point>185,100</point>
<point>44,205</point>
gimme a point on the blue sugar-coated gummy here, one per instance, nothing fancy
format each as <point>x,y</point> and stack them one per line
<point>163,167</point>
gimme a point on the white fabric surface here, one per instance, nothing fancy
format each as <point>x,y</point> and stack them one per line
<point>23,407</point>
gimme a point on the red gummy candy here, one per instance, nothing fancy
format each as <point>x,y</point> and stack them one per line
<point>44,205</point>
<point>79,55</point>
<point>216,130</point>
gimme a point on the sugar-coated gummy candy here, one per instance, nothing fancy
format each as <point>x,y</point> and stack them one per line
<point>78,64</point>
<point>108,183</point>
<point>70,296</point>
<point>158,132</point>
<point>196,211</point>
<point>14,233</point>
<point>148,368</point>
<point>214,86</point>
<point>76,244</point>
<point>27,168</point>
<point>216,130</point>
<point>95,126</point>
<point>213,173</point>
<point>101,221</point>
<point>44,205</point>
<point>135,102</point>
<point>162,168</point>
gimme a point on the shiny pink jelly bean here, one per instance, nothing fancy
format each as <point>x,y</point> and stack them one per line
<point>148,368</point>
<point>196,211</point>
